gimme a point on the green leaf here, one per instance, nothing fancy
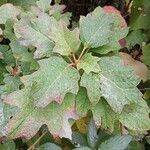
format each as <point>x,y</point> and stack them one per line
<point>146,54</point>
<point>118,83</point>
<point>82,148</point>
<point>66,41</point>
<point>89,63</point>
<point>8,11</point>
<point>91,83</point>
<point>96,28</point>
<point>33,32</point>
<point>92,137</point>
<point>8,145</point>
<point>140,15</point>
<point>2,71</point>
<point>49,146</point>
<point>30,118</point>
<point>116,143</point>
<point>20,52</point>
<point>117,35</point>
<point>6,113</point>
<point>12,83</point>
<point>136,117</point>
<point>44,5</point>
<point>8,58</point>
<point>104,115</point>
<point>82,102</point>
<point>26,4</point>
<point>52,81</point>
<point>79,139</point>
<point>136,37</point>
<point>135,145</point>
<point>57,11</point>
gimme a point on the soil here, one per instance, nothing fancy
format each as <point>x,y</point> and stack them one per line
<point>83,7</point>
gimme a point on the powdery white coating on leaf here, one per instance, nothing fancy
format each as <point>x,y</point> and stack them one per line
<point>95,28</point>
<point>137,117</point>
<point>66,130</point>
<point>92,83</point>
<point>66,41</point>
<point>123,24</point>
<point>110,10</point>
<point>118,83</point>
<point>89,63</point>
<point>104,116</point>
<point>52,81</point>
<point>82,102</point>
<point>8,11</point>
<point>56,8</point>
<point>29,119</point>
<point>33,32</point>
<point>139,68</point>
<point>44,5</point>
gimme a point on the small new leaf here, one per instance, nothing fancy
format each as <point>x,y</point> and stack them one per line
<point>89,63</point>
<point>66,41</point>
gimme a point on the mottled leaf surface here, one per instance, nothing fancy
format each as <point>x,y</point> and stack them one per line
<point>104,115</point>
<point>44,5</point>
<point>89,63</point>
<point>118,81</point>
<point>8,11</point>
<point>33,32</point>
<point>66,41</point>
<point>82,102</point>
<point>95,28</point>
<point>30,118</point>
<point>91,83</point>
<point>136,117</point>
<point>52,81</point>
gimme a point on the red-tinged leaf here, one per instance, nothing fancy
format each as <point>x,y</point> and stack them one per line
<point>113,10</point>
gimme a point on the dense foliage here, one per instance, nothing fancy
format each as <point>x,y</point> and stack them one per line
<point>70,85</point>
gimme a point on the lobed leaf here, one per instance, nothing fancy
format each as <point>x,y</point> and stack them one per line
<point>66,41</point>
<point>8,11</point>
<point>89,63</point>
<point>96,28</point>
<point>32,32</point>
<point>30,118</point>
<point>91,83</point>
<point>117,81</point>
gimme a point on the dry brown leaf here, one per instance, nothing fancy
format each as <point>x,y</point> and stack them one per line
<point>139,68</point>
